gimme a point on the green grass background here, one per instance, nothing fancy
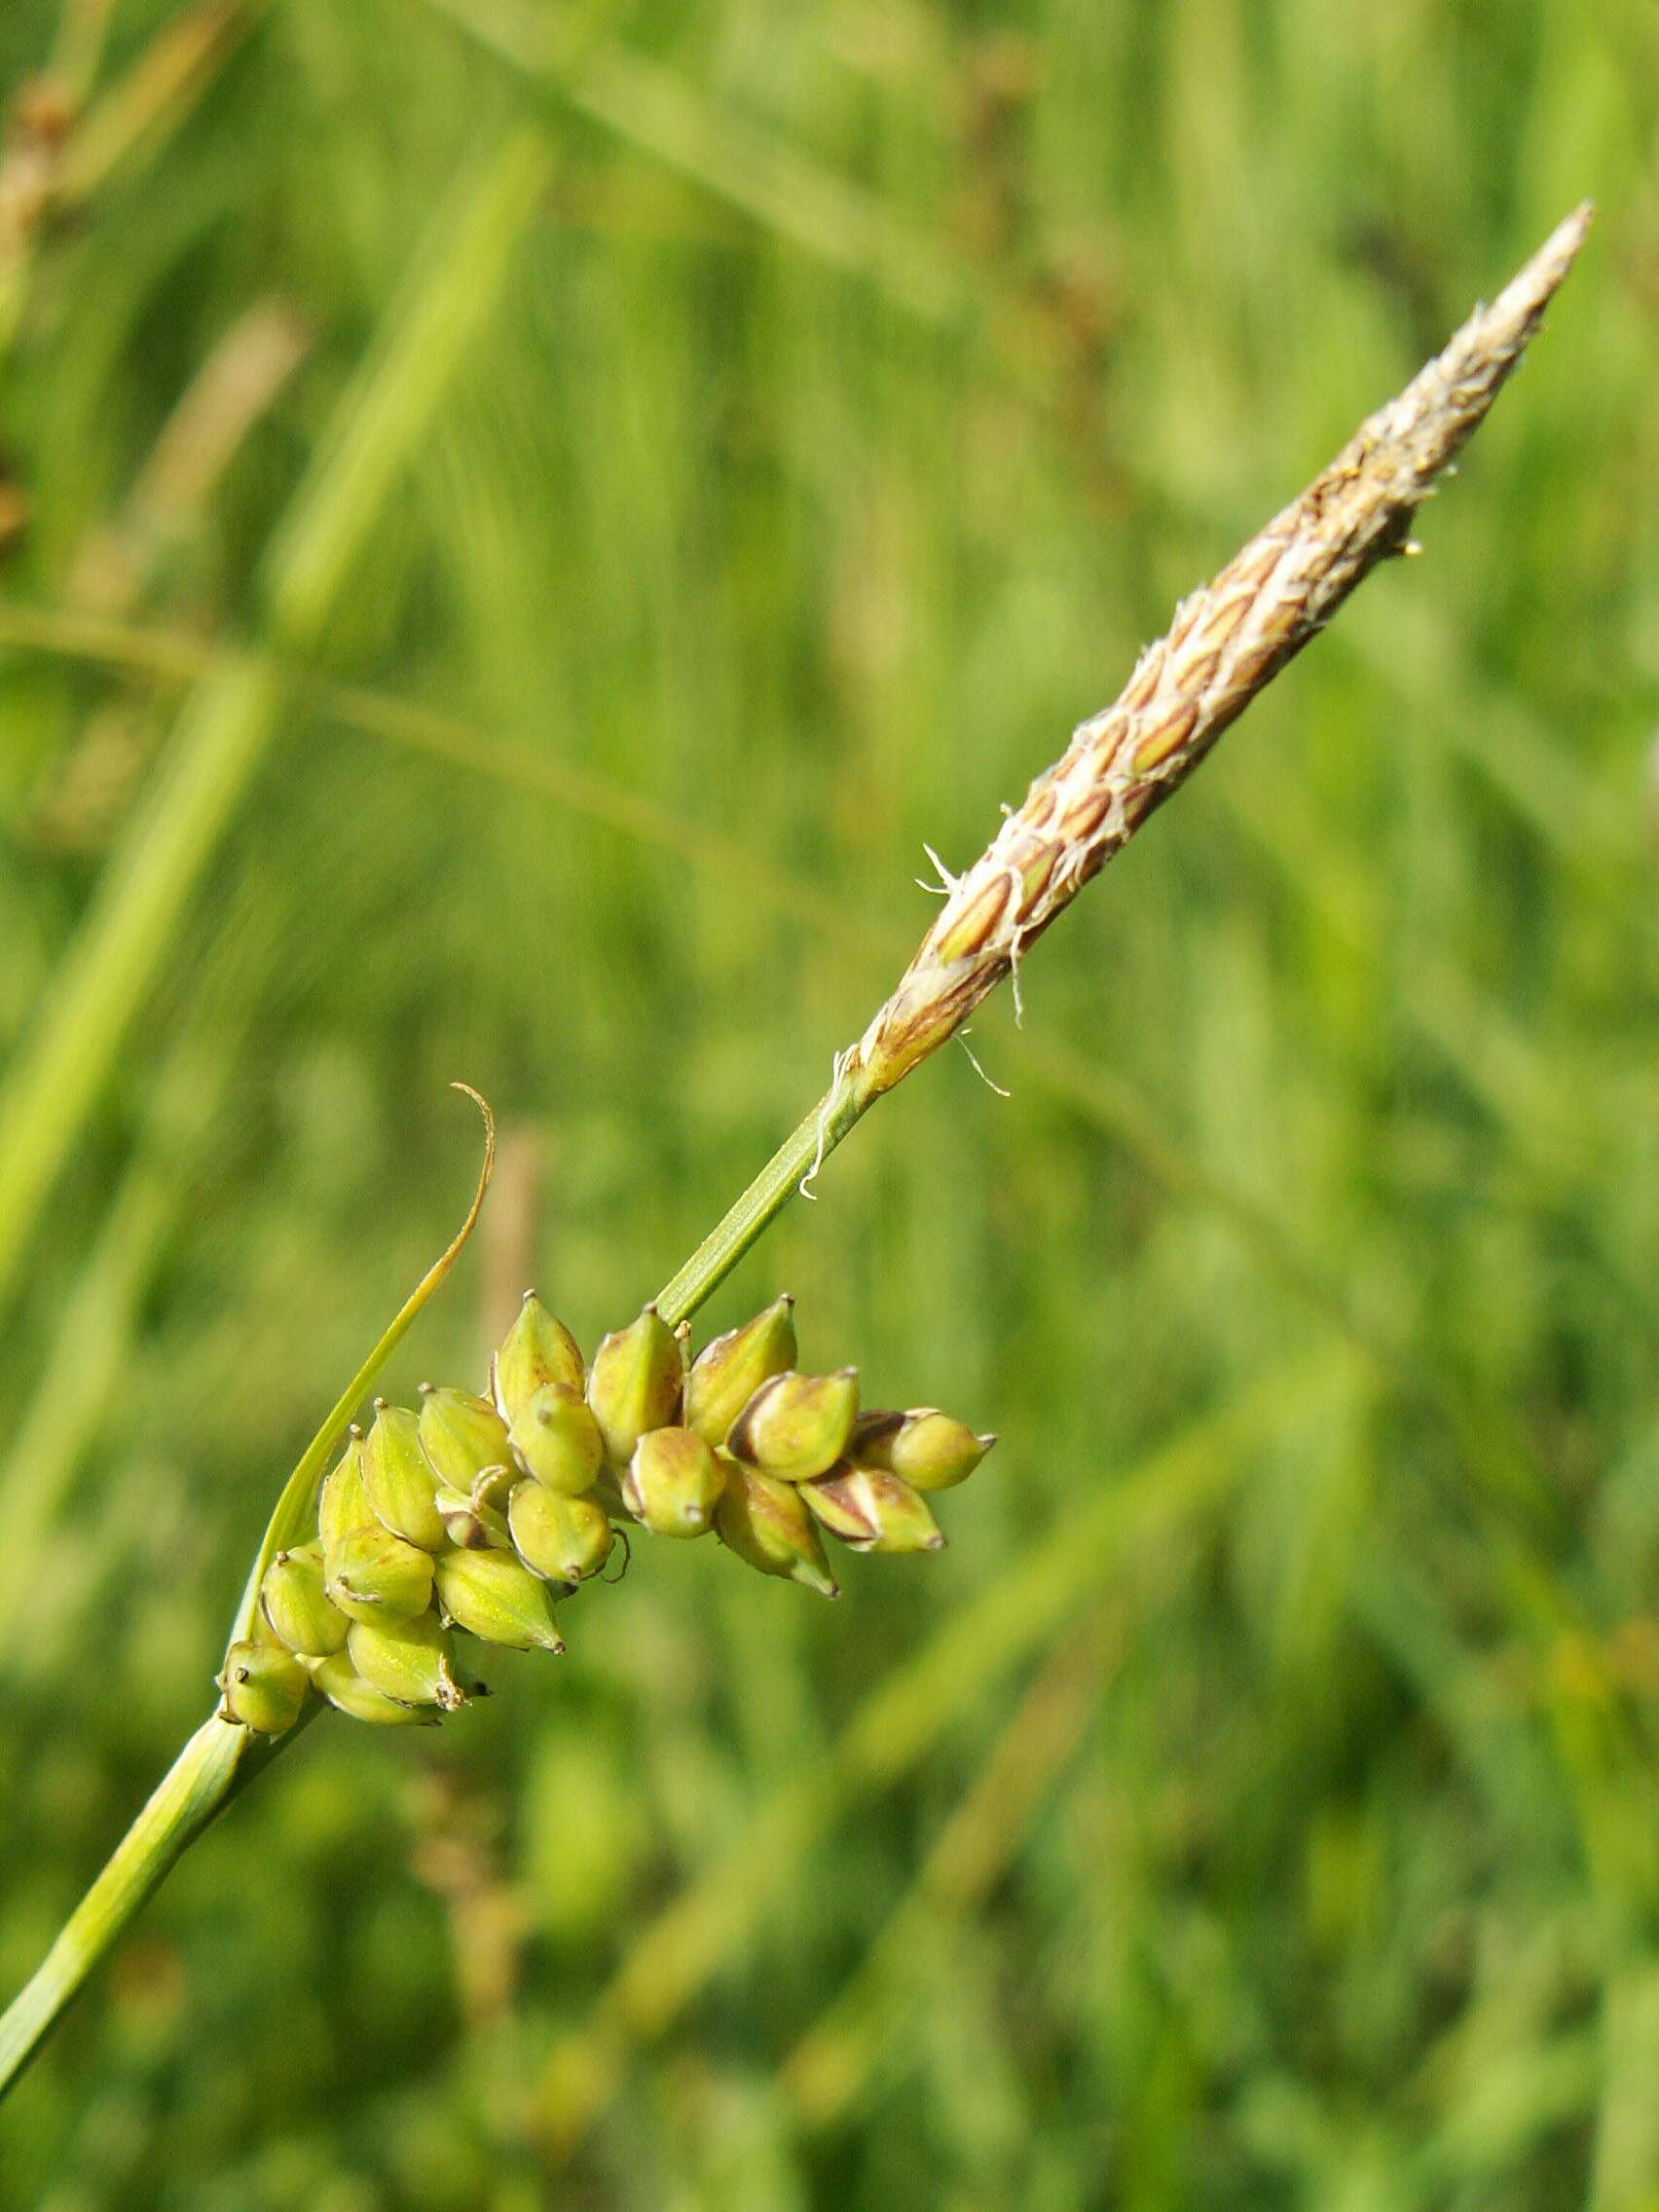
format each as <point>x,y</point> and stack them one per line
<point>680,459</point>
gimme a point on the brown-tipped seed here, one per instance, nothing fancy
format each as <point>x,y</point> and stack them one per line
<point>873,1512</point>
<point>397,1480</point>
<point>297,1609</point>
<point>536,1350</point>
<point>343,1504</point>
<point>764,1522</point>
<point>726,1374</point>
<point>563,1539</point>
<point>634,1383</point>
<point>469,1523</point>
<point>797,1426</point>
<point>376,1576</point>
<point>348,1692</point>
<point>673,1482</point>
<point>557,1440</point>
<point>460,1435</point>
<point>407,1661</point>
<point>931,1450</point>
<point>495,1596</point>
<point>264,1686</point>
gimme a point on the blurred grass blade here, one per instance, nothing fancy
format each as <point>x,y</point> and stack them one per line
<point>136,115</point>
<point>195,1790</point>
<point>220,1757</point>
<point>231,716</point>
<point>92,1346</point>
<point>834,2060</point>
<point>673,1958</point>
<point>737,161</point>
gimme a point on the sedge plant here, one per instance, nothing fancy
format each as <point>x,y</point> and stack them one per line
<point>401,1545</point>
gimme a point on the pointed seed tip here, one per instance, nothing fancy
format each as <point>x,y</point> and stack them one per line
<point>1564,242</point>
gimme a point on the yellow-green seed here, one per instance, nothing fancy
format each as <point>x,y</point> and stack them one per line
<point>766,1523</point>
<point>264,1686</point>
<point>297,1609</point>
<point>726,1373</point>
<point>469,1523</point>
<point>495,1596</point>
<point>931,1450</point>
<point>460,1435</point>
<point>673,1482</point>
<point>374,1576</point>
<point>563,1539</point>
<point>873,1512</point>
<point>634,1384</point>
<point>397,1480</point>
<point>557,1440</point>
<point>409,1661</point>
<point>536,1350</point>
<point>796,1427</point>
<point>343,1504</point>
<point>347,1691</point>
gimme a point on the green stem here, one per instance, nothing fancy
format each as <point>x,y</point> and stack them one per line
<point>797,1158</point>
<point>220,1758</point>
<point>200,1784</point>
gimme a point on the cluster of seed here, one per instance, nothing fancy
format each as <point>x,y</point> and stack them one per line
<point>478,1513</point>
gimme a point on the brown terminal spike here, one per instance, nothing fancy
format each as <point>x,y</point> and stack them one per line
<point>1227,643</point>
